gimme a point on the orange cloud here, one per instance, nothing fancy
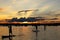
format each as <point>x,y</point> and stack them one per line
<point>3,16</point>
<point>1,9</point>
<point>4,9</point>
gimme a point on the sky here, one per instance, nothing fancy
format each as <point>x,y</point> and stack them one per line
<point>10,8</point>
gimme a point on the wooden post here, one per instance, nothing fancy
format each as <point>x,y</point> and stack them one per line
<point>44,27</point>
<point>10,32</point>
<point>36,28</point>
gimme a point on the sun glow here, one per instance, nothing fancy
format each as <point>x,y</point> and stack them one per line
<point>25,22</point>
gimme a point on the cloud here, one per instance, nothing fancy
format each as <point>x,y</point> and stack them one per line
<point>26,4</point>
<point>41,11</point>
<point>1,9</point>
<point>7,12</point>
<point>11,7</point>
<point>11,15</point>
<point>3,16</point>
<point>14,1</point>
<point>45,7</point>
<point>36,13</point>
<point>29,14</point>
<point>6,8</point>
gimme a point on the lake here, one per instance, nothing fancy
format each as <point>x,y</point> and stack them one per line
<point>26,33</point>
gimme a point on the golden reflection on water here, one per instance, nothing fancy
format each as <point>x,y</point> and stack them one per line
<point>3,30</point>
<point>25,32</point>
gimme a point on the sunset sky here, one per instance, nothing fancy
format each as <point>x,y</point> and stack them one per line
<point>10,8</point>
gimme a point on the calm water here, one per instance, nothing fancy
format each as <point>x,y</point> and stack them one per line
<point>26,33</point>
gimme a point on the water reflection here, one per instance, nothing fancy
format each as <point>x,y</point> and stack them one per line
<point>26,33</point>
